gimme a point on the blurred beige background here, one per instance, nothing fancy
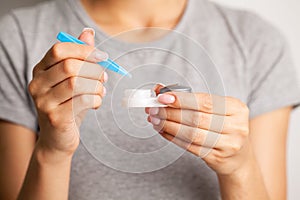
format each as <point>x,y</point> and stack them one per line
<point>285,14</point>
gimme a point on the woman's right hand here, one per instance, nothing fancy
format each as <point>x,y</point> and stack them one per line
<point>66,83</point>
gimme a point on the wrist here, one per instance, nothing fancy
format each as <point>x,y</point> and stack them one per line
<point>55,142</point>
<point>246,182</point>
<point>248,169</point>
<point>46,155</point>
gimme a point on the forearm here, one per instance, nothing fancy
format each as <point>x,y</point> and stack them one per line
<point>47,176</point>
<point>244,184</point>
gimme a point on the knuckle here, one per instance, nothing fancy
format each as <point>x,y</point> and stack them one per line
<point>85,100</point>
<point>206,153</point>
<point>32,88</point>
<point>211,158</point>
<point>99,87</point>
<point>233,126</point>
<point>231,103</point>
<point>218,154</point>
<point>69,67</point>
<point>97,102</point>
<point>198,154</point>
<point>235,147</point>
<point>72,83</point>
<point>197,137</point>
<point>39,102</point>
<point>231,99</point>
<point>220,160</point>
<point>244,131</point>
<point>163,113</point>
<point>203,118</point>
<point>218,157</point>
<point>208,158</point>
<point>239,128</point>
<point>89,101</point>
<point>242,105</point>
<point>196,118</point>
<point>194,136</point>
<point>245,109</point>
<point>53,119</point>
<point>35,71</point>
<point>208,102</point>
<point>56,50</point>
<point>42,105</point>
<point>169,114</point>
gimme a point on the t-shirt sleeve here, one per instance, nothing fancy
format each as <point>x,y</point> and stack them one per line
<point>16,105</point>
<point>272,76</point>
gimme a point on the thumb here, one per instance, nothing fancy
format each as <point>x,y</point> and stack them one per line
<point>157,88</point>
<point>88,36</point>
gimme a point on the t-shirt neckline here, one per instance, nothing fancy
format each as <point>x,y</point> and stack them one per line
<point>87,21</point>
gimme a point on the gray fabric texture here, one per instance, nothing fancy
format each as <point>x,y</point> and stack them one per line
<point>213,49</point>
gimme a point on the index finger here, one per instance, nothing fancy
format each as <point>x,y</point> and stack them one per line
<point>66,50</point>
<point>203,102</point>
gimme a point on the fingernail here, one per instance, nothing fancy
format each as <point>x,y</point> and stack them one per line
<point>105,77</point>
<point>104,91</point>
<point>90,30</point>
<point>153,111</point>
<point>166,98</point>
<point>100,55</point>
<point>161,84</point>
<point>154,120</point>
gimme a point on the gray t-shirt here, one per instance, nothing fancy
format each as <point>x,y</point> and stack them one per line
<point>213,49</point>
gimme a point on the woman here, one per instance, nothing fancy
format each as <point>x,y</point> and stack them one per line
<point>40,126</point>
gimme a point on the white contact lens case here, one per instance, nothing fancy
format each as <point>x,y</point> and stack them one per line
<point>137,98</point>
<point>140,98</point>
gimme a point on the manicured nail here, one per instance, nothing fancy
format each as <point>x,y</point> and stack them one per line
<point>100,55</point>
<point>161,84</point>
<point>90,30</point>
<point>154,120</point>
<point>104,91</point>
<point>153,111</point>
<point>166,98</point>
<point>105,77</point>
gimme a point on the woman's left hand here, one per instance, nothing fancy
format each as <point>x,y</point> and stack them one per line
<point>214,128</point>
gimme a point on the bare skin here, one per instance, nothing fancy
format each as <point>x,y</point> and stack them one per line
<point>239,157</point>
<point>67,80</point>
<point>150,23</point>
<point>245,169</point>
